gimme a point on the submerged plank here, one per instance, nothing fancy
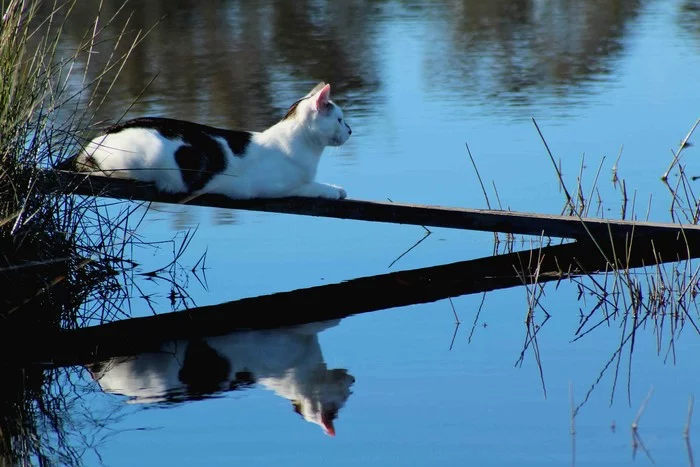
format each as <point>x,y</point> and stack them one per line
<point>521,223</point>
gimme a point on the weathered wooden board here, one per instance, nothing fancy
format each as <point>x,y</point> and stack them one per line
<point>434,216</point>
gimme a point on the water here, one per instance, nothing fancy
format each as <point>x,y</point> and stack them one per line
<point>418,80</point>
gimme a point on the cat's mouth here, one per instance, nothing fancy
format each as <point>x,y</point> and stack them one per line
<point>337,141</point>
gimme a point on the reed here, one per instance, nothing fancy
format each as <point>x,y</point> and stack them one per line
<point>61,256</point>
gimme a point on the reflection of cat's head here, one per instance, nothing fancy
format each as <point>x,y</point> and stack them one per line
<point>329,392</point>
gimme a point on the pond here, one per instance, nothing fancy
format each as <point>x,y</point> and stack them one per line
<point>472,378</point>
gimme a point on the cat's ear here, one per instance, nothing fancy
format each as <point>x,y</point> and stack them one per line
<point>322,98</point>
<point>316,88</point>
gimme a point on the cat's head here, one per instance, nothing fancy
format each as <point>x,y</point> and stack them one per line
<point>326,395</point>
<point>320,116</point>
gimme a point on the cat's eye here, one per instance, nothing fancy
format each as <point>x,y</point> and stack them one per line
<point>340,120</point>
<point>297,406</point>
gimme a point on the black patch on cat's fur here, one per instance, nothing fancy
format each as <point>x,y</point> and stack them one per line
<point>203,369</point>
<point>96,368</point>
<point>293,109</point>
<point>198,165</point>
<point>291,112</point>
<point>203,157</point>
<point>244,379</point>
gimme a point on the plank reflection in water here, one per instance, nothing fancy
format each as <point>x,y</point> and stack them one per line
<point>361,295</point>
<point>287,361</point>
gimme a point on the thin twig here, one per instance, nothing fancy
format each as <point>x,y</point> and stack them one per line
<point>556,168</point>
<point>677,154</point>
<point>483,189</point>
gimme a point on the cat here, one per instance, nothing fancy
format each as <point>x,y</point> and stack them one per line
<point>186,157</point>
<point>287,361</point>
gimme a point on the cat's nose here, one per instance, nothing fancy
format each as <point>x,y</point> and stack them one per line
<point>349,129</point>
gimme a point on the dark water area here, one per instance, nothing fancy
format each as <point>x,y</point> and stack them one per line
<point>460,365</point>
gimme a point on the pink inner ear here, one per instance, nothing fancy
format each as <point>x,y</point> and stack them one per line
<point>323,97</point>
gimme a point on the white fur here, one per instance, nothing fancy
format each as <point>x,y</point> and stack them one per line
<point>280,161</point>
<point>287,361</point>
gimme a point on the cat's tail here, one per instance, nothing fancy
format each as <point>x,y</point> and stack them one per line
<point>67,164</point>
<point>76,163</point>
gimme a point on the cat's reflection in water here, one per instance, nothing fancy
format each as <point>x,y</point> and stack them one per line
<point>288,361</point>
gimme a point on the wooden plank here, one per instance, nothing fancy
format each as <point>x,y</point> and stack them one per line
<point>397,213</point>
<point>334,301</point>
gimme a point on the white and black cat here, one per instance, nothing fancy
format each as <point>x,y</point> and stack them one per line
<point>186,157</point>
<point>287,361</point>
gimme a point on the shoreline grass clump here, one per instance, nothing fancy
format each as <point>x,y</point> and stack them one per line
<point>48,238</point>
<point>38,228</point>
<point>61,256</point>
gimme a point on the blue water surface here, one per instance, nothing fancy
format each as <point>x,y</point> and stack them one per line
<point>418,81</point>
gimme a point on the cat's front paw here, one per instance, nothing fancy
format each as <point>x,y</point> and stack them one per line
<point>321,190</point>
<point>335,192</point>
